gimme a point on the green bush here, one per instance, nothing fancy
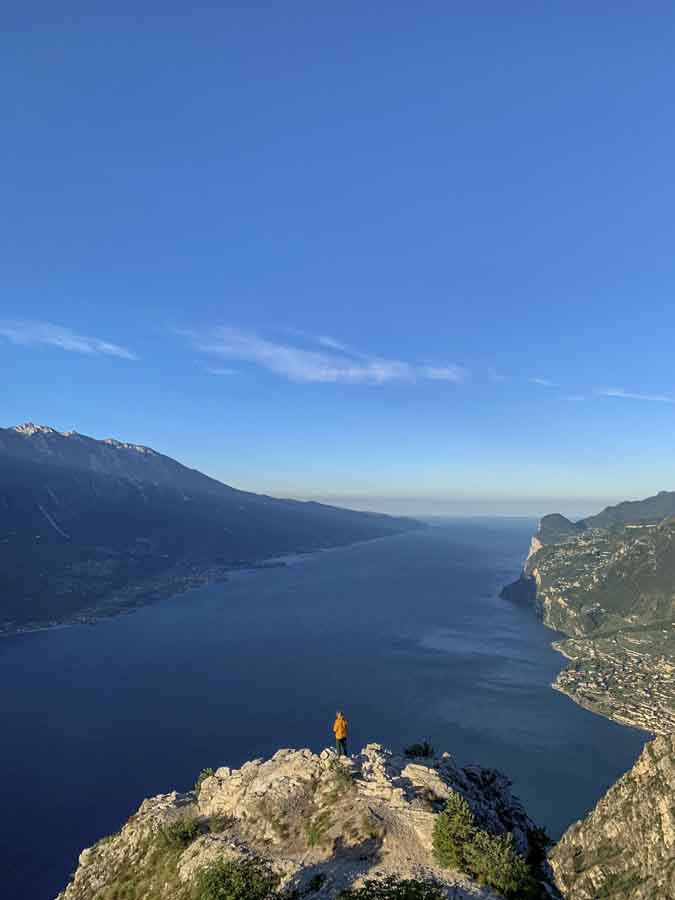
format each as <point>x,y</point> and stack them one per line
<point>316,828</point>
<point>423,749</point>
<point>619,886</point>
<point>217,824</point>
<point>181,833</point>
<point>203,775</point>
<point>394,889</point>
<point>454,830</point>
<point>342,779</point>
<point>491,859</point>
<point>244,879</point>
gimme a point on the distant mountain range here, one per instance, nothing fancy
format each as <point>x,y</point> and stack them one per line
<point>91,524</point>
<point>648,511</point>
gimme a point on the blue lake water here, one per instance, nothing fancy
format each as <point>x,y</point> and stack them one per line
<point>406,634</point>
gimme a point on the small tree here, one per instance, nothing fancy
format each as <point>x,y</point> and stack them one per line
<point>424,749</point>
<point>242,879</point>
<point>454,830</point>
<point>181,833</point>
<point>494,861</point>
<point>203,775</point>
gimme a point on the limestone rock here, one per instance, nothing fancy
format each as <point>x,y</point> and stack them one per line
<point>323,823</point>
<point>625,847</point>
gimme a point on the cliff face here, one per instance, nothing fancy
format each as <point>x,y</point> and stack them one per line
<point>322,823</point>
<point>611,592</point>
<point>625,848</point>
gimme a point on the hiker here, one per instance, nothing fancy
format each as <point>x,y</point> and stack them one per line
<point>340,732</point>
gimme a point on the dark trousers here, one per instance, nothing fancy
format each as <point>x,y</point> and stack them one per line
<point>341,746</point>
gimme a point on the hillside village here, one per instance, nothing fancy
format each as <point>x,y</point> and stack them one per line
<point>611,591</point>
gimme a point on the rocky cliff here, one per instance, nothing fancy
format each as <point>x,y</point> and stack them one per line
<point>322,824</point>
<point>625,848</point>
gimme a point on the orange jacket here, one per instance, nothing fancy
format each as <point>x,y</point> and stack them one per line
<point>340,728</point>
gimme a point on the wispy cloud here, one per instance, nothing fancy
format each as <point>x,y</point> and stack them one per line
<point>544,382</point>
<point>31,333</point>
<point>326,361</point>
<point>217,370</point>
<point>630,395</point>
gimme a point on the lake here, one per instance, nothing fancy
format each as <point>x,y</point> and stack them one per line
<point>406,634</point>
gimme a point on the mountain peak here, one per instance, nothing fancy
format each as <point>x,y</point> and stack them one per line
<point>123,445</point>
<point>30,428</point>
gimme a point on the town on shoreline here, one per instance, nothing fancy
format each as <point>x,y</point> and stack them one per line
<point>609,589</point>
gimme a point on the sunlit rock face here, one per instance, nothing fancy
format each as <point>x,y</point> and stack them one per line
<point>323,823</point>
<point>625,848</point>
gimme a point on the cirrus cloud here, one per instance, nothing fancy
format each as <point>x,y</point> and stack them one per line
<point>30,333</point>
<point>631,395</point>
<point>324,361</point>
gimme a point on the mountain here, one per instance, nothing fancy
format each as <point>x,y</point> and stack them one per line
<point>625,847</point>
<point>556,527</point>
<point>321,826</point>
<point>102,525</point>
<point>607,582</point>
<point>652,509</point>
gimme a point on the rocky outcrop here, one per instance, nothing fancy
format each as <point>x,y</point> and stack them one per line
<point>535,547</point>
<point>554,528</point>
<point>322,823</point>
<point>625,848</point>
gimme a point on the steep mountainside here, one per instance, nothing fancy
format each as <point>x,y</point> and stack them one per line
<point>625,848</point>
<point>87,525</point>
<point>322,824</point>
<point>652,509</point>
<point>612,591</point>
<point>555,528</point>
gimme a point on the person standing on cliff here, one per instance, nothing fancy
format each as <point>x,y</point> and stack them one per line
<point>340,732</point>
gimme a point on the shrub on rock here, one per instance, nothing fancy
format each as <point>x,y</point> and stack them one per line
<point>242,879</point>
<point>492,860</point>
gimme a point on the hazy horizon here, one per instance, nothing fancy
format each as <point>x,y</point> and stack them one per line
<point>460,507</point>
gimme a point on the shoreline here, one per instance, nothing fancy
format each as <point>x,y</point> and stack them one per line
<point>525,591</point>
<point>591,707</point>
<point>163,591</point>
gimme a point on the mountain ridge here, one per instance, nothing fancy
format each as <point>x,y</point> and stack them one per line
<point>651,509</point>
<point>91,527</point>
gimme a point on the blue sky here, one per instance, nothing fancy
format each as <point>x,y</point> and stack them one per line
<point>412,256</point>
